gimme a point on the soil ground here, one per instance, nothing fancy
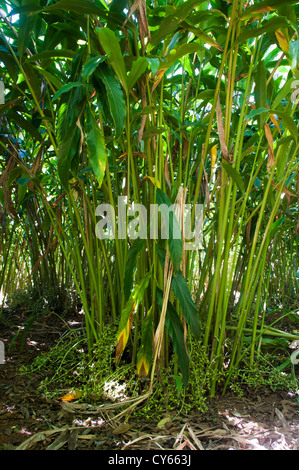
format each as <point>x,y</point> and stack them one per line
<point>260,420</point>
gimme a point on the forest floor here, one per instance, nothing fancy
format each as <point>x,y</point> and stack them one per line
<point>261,420</point>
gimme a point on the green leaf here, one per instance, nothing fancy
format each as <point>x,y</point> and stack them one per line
<point>259,6</point>
<point>204,37</point>
<point>260,91</point>
<point>235,175</point>
<point>52,54</point>
<point>117,105</point>
<point>84,7</point>
<point>288,122</point>
<point>190,312</point>
<point>175,330</point>
<point>180,52</point>
<point>49,76</point>
<point>282,155</point>
<point>285,91</point>
<point>256,112</point>
<point>269,26</point>
<point>96,146</point>
<point>111,46</point>
<point>26,125</point>
<point>26,25</point>
<point>175,244</point>
<point>65,154</point>
<point>137,246</point>
<point>172,20</point>
<point>139,66</point>
<point>91,66</point>
<point>154,64</point>
<point>22,181</point>
<point>294,54</point>
<point>67,87</point>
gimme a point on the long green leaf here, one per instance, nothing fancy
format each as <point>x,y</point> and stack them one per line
<point>260,91</point>
<point>67,87</point>
<point>171,21</point>
<point>137,246</point>
<point>235,175</point>
<point>288,122</point>
<point>181,51</point>
<point>181,290</point>
<point>65,154</point>
<point>91,65</point>
<point>175,243</point>
<point>269,26</point>
<point>84,7</point>
<point>27,23</point>
<point>139,66</point>
<point>260,6</point>
<point>117,105</point>
<point>52,54</point>
<point>96,146</point>
<point>111,46</point>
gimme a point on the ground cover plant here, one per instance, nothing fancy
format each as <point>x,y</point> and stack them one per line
<point>112,108</point>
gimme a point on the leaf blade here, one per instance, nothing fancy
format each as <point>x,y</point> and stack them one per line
<point>112,48</point>
<point>96,146</point>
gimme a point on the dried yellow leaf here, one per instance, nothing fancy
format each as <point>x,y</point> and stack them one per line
<point>73,395</point>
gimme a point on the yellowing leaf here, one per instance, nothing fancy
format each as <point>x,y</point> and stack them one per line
<point>152,179</point>
<point>282,41</point>
<point>127,314</point>
<point>143,367</point>
<point>274,121</point>
<point>73,395</point>
<point>160,76</point>
<point>213,156</point>
<point>285,190</point>
<point>271,158</point>
<point>123,336</point>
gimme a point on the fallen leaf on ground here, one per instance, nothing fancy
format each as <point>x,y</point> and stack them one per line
<point>73,395</point>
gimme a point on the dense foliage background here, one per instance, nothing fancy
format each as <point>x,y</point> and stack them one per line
<point>158,101</point>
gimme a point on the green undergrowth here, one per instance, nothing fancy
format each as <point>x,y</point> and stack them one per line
<point>67,366</point>
<point>42,300</point>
